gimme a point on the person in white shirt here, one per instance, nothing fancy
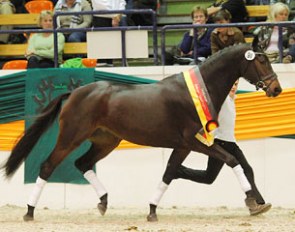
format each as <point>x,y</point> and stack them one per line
<point>107,20</point>
<point>225,137</point>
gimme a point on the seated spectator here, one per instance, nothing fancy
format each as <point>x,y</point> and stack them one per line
<point>199,16</point>
<point>186,47</point>
<point>40,51</point>
<point>74,21</point>
<point>20,6</point>
<point>290,57</point>
<point>6,7</point>
<point>236,8</point>
<point>268,36</point>
<point>141,19</point>
<point>224,36</point>
<point>107,20</point>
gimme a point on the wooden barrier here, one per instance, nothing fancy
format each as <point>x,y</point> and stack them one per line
<point>19,19</point>
<point>258,11</point>
<point>11,50</point>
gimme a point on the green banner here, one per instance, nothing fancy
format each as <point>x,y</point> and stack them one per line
<point>42,86</point>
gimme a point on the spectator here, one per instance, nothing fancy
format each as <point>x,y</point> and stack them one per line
<point>225,138</point>
<point>74,21</point>
<point>19,5</point>
<point>186,48</point>
<point>6,7</point>
<point>40,52</point>
<point>236,8</point>
<point>107,20</point>
<point>224,36</point>
<point>199,16</point>
<point>268,36</point>
<point>141,19</point>
<point>290,57</point>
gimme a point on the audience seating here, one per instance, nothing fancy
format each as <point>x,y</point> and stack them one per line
<point>31,19</point>
<point>35,7</point>
<point>89,63</point>
<point>15,64</point>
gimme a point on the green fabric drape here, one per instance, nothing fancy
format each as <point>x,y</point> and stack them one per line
<point>12,97</point>
<point>42,86</point>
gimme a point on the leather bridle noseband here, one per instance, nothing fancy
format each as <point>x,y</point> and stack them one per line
<point>260,84</point>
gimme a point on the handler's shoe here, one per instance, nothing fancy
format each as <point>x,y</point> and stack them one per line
<point>255,208</point>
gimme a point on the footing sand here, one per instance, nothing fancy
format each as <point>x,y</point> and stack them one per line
<point>219,219</point>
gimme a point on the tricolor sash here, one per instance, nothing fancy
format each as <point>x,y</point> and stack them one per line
<point>203,105</point>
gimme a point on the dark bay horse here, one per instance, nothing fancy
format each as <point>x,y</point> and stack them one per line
<point>161,114</point>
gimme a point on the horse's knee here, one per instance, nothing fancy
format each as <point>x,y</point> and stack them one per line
<point>231,161</point>
<point>46,170</point>
<point>168,177</point>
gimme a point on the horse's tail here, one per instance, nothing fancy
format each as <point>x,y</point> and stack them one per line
<point>31,136</point>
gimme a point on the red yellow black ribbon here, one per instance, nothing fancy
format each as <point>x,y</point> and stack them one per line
<point>202,101</point>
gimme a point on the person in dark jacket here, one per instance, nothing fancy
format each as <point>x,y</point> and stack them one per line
<point>141,19</point>
<point>236,8</point>
<point>199,16</point>
<point>184,52</point>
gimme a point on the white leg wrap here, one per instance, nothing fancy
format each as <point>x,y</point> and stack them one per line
<point>33,200</point>
<point>93,180</point>
<point>238,170</point>
<point>162,187</point>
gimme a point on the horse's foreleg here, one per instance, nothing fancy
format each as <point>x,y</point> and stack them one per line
<point>174,162</point>
<point>102,144</point>
<point>218,152</point>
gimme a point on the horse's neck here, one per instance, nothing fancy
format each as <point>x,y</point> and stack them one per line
<point>219,82</point>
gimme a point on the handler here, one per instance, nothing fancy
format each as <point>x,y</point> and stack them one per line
<point>225,137</point>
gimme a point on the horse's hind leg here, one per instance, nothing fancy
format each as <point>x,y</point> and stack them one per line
<point>102,144</point>
<point>71,135</point>
<point>174,162</point>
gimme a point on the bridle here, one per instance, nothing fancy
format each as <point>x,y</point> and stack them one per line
<point>260,84</point>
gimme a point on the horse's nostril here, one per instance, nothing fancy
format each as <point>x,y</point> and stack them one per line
<point>278,90</point>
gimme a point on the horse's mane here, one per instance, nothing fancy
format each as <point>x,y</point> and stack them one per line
<point>216,56</point>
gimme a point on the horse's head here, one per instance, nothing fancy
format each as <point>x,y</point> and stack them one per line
<point>258,71</point>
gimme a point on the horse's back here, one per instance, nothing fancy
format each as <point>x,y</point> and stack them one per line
<point>148,114</point>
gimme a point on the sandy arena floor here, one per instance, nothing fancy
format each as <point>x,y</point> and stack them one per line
<point>219,219</point>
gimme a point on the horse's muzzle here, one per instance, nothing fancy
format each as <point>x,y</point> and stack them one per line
<point>273,92</point>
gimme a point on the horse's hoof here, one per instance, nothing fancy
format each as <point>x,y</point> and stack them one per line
<point>28,218</point>
<point>152,217</point>
<point>260,209</point>
<point>102,208</point>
